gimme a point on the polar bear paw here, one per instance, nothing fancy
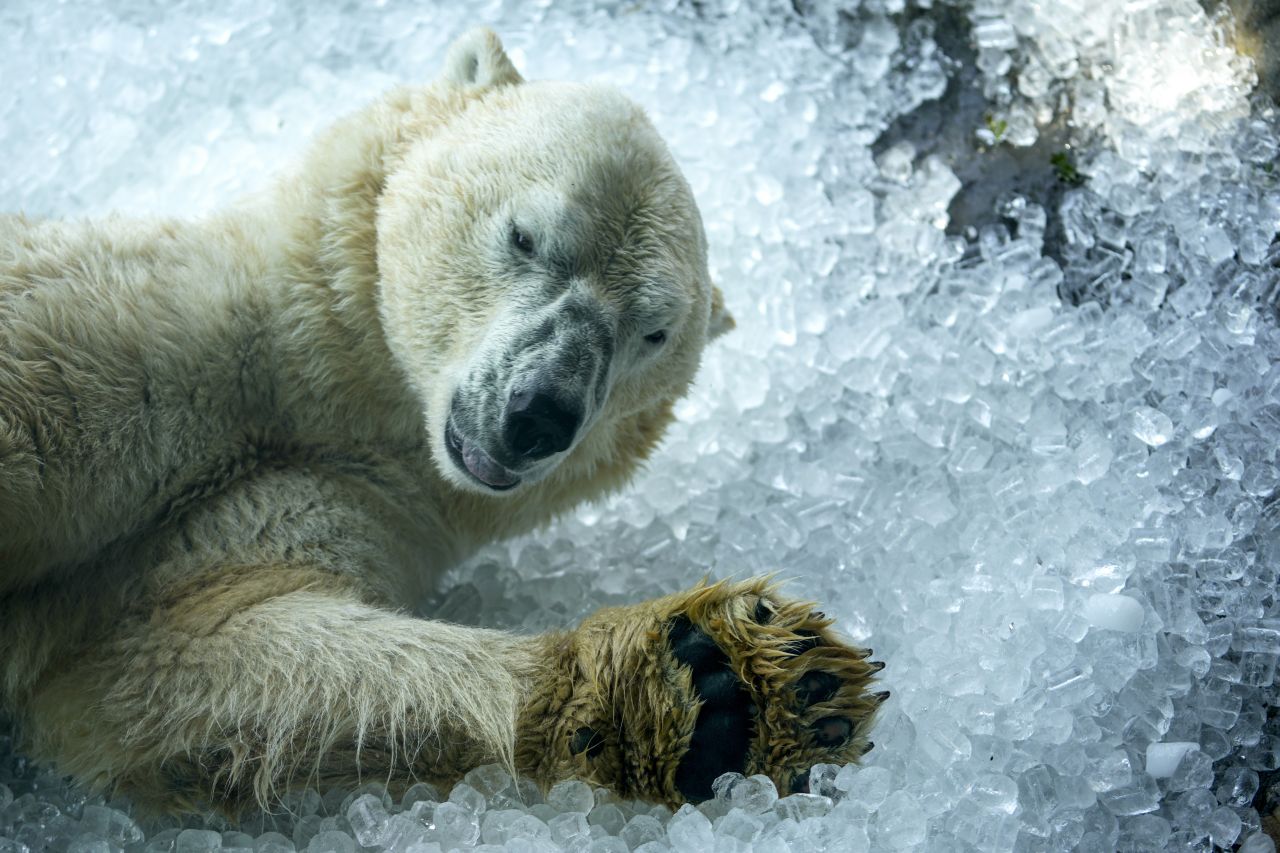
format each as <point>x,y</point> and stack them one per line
<point>657,700</point>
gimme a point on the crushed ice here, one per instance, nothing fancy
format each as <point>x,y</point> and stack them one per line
<point>1031,460</point>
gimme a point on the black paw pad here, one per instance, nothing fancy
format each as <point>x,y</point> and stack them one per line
<point>722,732</point>
<point>832,731</point>
<point>586,740</point>
<point>693,648</point>
<point>816,687</point>
<point>718,687</point>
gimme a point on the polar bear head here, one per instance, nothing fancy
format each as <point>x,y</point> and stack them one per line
<point>543,274</point>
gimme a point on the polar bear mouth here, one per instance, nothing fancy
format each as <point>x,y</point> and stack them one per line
<point>470,458</point>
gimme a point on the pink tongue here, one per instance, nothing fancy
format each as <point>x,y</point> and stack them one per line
<point>485,469</point>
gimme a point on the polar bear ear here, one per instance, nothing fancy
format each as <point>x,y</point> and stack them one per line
<point>477,61</point>
<point>721,320</point>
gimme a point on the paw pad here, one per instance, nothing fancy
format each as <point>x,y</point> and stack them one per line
<point>816,687</point>
<point>832,731</point>
<point>723,728</point>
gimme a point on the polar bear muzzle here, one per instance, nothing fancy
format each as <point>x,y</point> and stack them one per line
<point>532,391</point>
<point>536,423</point>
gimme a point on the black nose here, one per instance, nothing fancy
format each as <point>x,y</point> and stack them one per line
<point>539,425</point>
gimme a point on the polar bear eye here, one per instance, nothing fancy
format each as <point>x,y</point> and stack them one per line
<point>521,240</point>
<point>658,337</point>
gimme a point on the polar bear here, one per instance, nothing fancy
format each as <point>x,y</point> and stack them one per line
<point>234,452</point>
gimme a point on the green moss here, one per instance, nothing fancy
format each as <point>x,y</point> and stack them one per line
<point>997,126</point>
<point>1064,166</point>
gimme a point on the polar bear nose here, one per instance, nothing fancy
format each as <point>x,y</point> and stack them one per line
<point>538,425</point>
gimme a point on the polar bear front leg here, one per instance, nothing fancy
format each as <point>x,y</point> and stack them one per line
<point>254,679</point>
<point>658,699</point>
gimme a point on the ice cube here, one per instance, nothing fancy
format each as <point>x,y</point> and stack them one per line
<point>754,794</point>
<point>900,822</point>
<point>571,796</point>
<point>332,842</point>
<point>1151,426</point>
<point>368,819</point>
<point>1163,758</point>
<point>689,830</point>
<point>1113,612</point>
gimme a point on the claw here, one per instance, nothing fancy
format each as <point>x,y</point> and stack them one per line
<point>876,665</point>
<point>880,697</point>
<point>870,746</point>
